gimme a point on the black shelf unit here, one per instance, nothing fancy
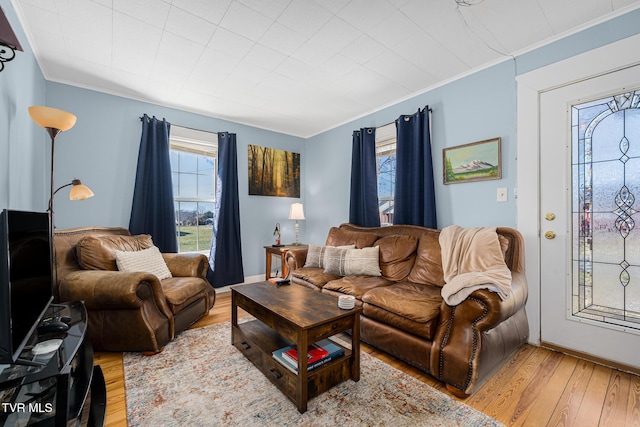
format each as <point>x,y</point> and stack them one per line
<point>65,389</point>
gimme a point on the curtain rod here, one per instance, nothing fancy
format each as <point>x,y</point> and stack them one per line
<point>186,127</point>
<point>390,123</point>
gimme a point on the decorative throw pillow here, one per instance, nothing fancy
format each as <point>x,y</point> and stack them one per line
<point>316,254</point>
<point>147,261</point>
<point>352,262</point>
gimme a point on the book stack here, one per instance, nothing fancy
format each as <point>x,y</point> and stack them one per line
<point>318,354</point>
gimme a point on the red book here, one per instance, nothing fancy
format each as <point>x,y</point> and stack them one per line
<point>314,353</point>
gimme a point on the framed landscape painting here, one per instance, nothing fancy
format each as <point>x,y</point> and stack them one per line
<point>477,161</point>
<point>273,172</point>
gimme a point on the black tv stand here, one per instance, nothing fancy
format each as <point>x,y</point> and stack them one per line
<point>59,388</point>
<point>25,362</point>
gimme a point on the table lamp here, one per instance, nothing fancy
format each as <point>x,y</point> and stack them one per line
<point>296,213</point>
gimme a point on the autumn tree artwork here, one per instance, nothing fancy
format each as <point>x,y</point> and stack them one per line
<point>273,172</point>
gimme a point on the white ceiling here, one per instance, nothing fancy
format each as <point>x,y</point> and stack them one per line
<point>295,66</point>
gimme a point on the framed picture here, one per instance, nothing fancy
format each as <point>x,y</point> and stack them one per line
<point>478,161</point>
<point>273,172</point>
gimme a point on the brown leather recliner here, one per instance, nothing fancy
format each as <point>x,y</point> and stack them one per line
<point>129,311</point>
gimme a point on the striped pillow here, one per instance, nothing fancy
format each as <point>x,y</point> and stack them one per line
<point>352,262</point>
<point>316,254</point>
<point>147,260</point>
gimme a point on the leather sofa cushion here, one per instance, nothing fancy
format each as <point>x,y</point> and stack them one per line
<point>340,237</point>
<point>98,252</point>
<point>427,269</point>
<point>182,291</point>
<point>314,275</point>
<point>397,256</point>
<point>408,306</point>
<point>355,285</point>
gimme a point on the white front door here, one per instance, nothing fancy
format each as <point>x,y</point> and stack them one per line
<point>589,198</point>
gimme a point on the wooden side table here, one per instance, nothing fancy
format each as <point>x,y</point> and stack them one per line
<point>279,251</point>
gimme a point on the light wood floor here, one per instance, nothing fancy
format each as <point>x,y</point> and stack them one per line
<point>537,387</point>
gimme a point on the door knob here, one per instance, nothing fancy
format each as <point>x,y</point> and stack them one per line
<point>550,216</point>
<point>550,235</point>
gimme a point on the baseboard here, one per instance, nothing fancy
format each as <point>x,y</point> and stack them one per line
<point>591,358</point>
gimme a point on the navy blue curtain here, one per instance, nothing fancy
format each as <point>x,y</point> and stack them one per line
<point>415,200</point>
<point>225,257</point>
<point>152,211</point>
<point>363,206</point>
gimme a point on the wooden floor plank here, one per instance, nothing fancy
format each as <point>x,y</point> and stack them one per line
<point>615,405</point>
<point>544,400</point>
<point>536,387</point>
<point>569,402</point>
<point>490,389</point>
<point>524,388</point>
<point>498,406</point>
<point>590,409</point>
<point>633,406</point>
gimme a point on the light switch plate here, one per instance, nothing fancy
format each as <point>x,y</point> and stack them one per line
<point>502,194</point>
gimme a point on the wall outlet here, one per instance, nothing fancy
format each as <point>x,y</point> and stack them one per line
<point>502,194</point>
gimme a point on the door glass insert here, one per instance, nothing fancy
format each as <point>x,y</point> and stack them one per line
<point>605,136</point>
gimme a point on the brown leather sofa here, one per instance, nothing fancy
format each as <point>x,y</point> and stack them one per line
<point>129,311</point>
<point>405,315</point>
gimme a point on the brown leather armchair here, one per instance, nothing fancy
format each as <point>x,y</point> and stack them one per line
<point>129,311</point>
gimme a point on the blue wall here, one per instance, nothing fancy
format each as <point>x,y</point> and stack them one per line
<point>473,108</point>
<point>102,151</point>
<point>23,145</point>
<point>102,148</point>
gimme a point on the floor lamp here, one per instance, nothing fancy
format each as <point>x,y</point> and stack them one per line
<point>55,121</point>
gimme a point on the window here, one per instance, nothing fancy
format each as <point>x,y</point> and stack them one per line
<point>194,163</point>
<point>605,135</point>
<point>386,164</point>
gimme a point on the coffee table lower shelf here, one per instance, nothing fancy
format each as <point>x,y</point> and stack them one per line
<point>258,342</point>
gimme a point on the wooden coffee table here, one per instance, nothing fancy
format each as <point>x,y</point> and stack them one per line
<point>289,315</point>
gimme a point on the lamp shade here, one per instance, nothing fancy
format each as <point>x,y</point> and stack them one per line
<point>7,36</point>
<point>48,117</point>
<point>296,211</point>
<point>79,191</point>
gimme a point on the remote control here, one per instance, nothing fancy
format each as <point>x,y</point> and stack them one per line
<point>282,282</point>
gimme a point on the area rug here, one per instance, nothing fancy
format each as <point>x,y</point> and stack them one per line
<point>200,379</point>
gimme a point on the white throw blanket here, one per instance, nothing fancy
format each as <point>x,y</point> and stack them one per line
<point>472,259</point>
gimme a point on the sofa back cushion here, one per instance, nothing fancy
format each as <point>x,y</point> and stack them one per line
<point>397,256</point>
<point>340,237</point>
<point>427,268</point>
<point>98,252</point>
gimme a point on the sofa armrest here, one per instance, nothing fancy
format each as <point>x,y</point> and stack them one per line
<point>295,258</point>
<point>497,310</point>
<point>126,311</point>
<point>460,341</point>
<point>113,290</point>
<point>187,264</point>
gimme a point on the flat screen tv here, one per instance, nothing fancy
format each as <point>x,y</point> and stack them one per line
<point>25,279</point>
